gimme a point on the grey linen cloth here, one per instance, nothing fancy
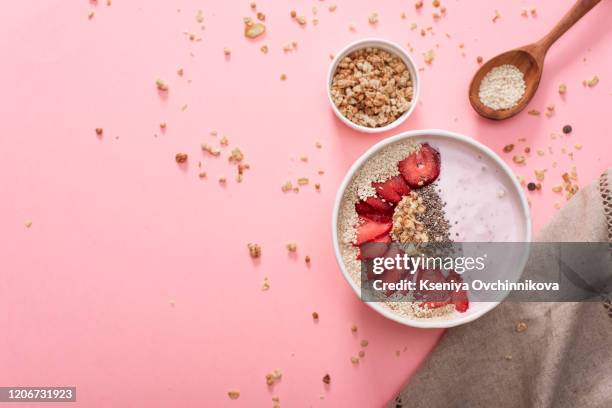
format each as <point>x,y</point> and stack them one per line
<point>563,358</point>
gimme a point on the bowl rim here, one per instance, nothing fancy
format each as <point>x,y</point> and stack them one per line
<point>414,134</point>
<point>388,45</point>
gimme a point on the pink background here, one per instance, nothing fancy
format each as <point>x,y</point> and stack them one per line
<point>134,282</point>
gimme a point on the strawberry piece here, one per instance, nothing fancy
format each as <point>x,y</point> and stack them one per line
<point>394,274</point>
<point>431,297</point>
<point>421,168</point>
<point>375,248</point>
<point>368,230</point>
<point>374,209</point>
<point>379,205</point>
<point>393,189</point>
<point>458,298</point>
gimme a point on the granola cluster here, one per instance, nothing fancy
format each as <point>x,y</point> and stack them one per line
<point>372,87</point>
<point>406,225</point>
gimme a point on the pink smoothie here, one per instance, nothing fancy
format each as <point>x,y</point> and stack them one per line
<point>482,203</point>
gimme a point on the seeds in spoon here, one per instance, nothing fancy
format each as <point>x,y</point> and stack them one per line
<point>502,87</point>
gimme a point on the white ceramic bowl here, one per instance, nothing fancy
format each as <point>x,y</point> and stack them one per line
<point>388,46</point>
<point>476,309</point>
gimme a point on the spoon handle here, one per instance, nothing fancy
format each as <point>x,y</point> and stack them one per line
<point>578,10</point>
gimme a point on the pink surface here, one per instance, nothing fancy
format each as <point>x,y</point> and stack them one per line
<point>134,283</point>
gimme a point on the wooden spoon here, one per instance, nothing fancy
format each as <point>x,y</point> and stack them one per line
<point>529,59</point>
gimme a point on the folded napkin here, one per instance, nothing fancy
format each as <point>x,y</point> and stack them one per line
<point>562,359</point>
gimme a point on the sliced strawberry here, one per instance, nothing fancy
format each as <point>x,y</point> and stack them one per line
<point>458,298</point>
<point>431,295</point>
<point>421,168</point>
<point>374,209</point>
<point>368,230</point>
<point>393,189</point>
<point>393,275</point>
<point>379,205</point>
<point>375,248</point>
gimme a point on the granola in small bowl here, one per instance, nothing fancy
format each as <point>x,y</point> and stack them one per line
<point>373,85</point>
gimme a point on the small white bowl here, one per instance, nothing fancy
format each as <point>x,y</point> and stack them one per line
<point>431,135</point>
<point>388,46</point>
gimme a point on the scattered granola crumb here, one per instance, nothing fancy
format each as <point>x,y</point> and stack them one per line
<point>209,149</point>
<point>327,379</point>
<point>253,5</point>
<point>161,85</point>
<point>302,181</point>
<point>429,56</point>
<point>283,77</point>
<point>315,316</point>
<point>301,20</point>
<point>162,125</point>
<point>508,357</point>
<point>364,343</point>
<point>181,157</point>
<point>373,18</point>
<point>264,49</point>
<point>397,353</point>
<point>202,174</point>
<point>28,224</point>
<point>266,284</point>
<point>550,110</point>
<point>222,180</point>
<point>479,59</point>
<point>354,360</point>
<point>252,29</point>
<point>354,328</point>
<point>293,14</point>
<point>233,394</point>
<point>227,52</point>
<point>307,260</point>
<point>539,174</point>
<point>99,131</point>
<point>273,377</point>
<point>593,81</point>
<point>254,250</point>
<point>436,3</point>
<point>578,146</point>
<point>562,89</point>
<point>534,112</point>
<point>318,145</point>
<point>418,4</point>
<point>361,354</point>
<point>557,189</point>
<point>261,16</point>
<point>518,159</point>
<point>304,158</point>
<point>91,15</point>
<point>521,327</point>
<point>292,247</point>
<point>317,186</point>
<point>508,148</point>
<point>497,16</point>
<point>236,156</point>
<point>287,187</point>
<point>332,8</point>
<point>200,16</point>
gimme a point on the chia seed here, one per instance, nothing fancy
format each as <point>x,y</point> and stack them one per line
<point>434,217</point>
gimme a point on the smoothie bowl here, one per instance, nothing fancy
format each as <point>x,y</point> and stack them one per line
<point>423,188</point>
